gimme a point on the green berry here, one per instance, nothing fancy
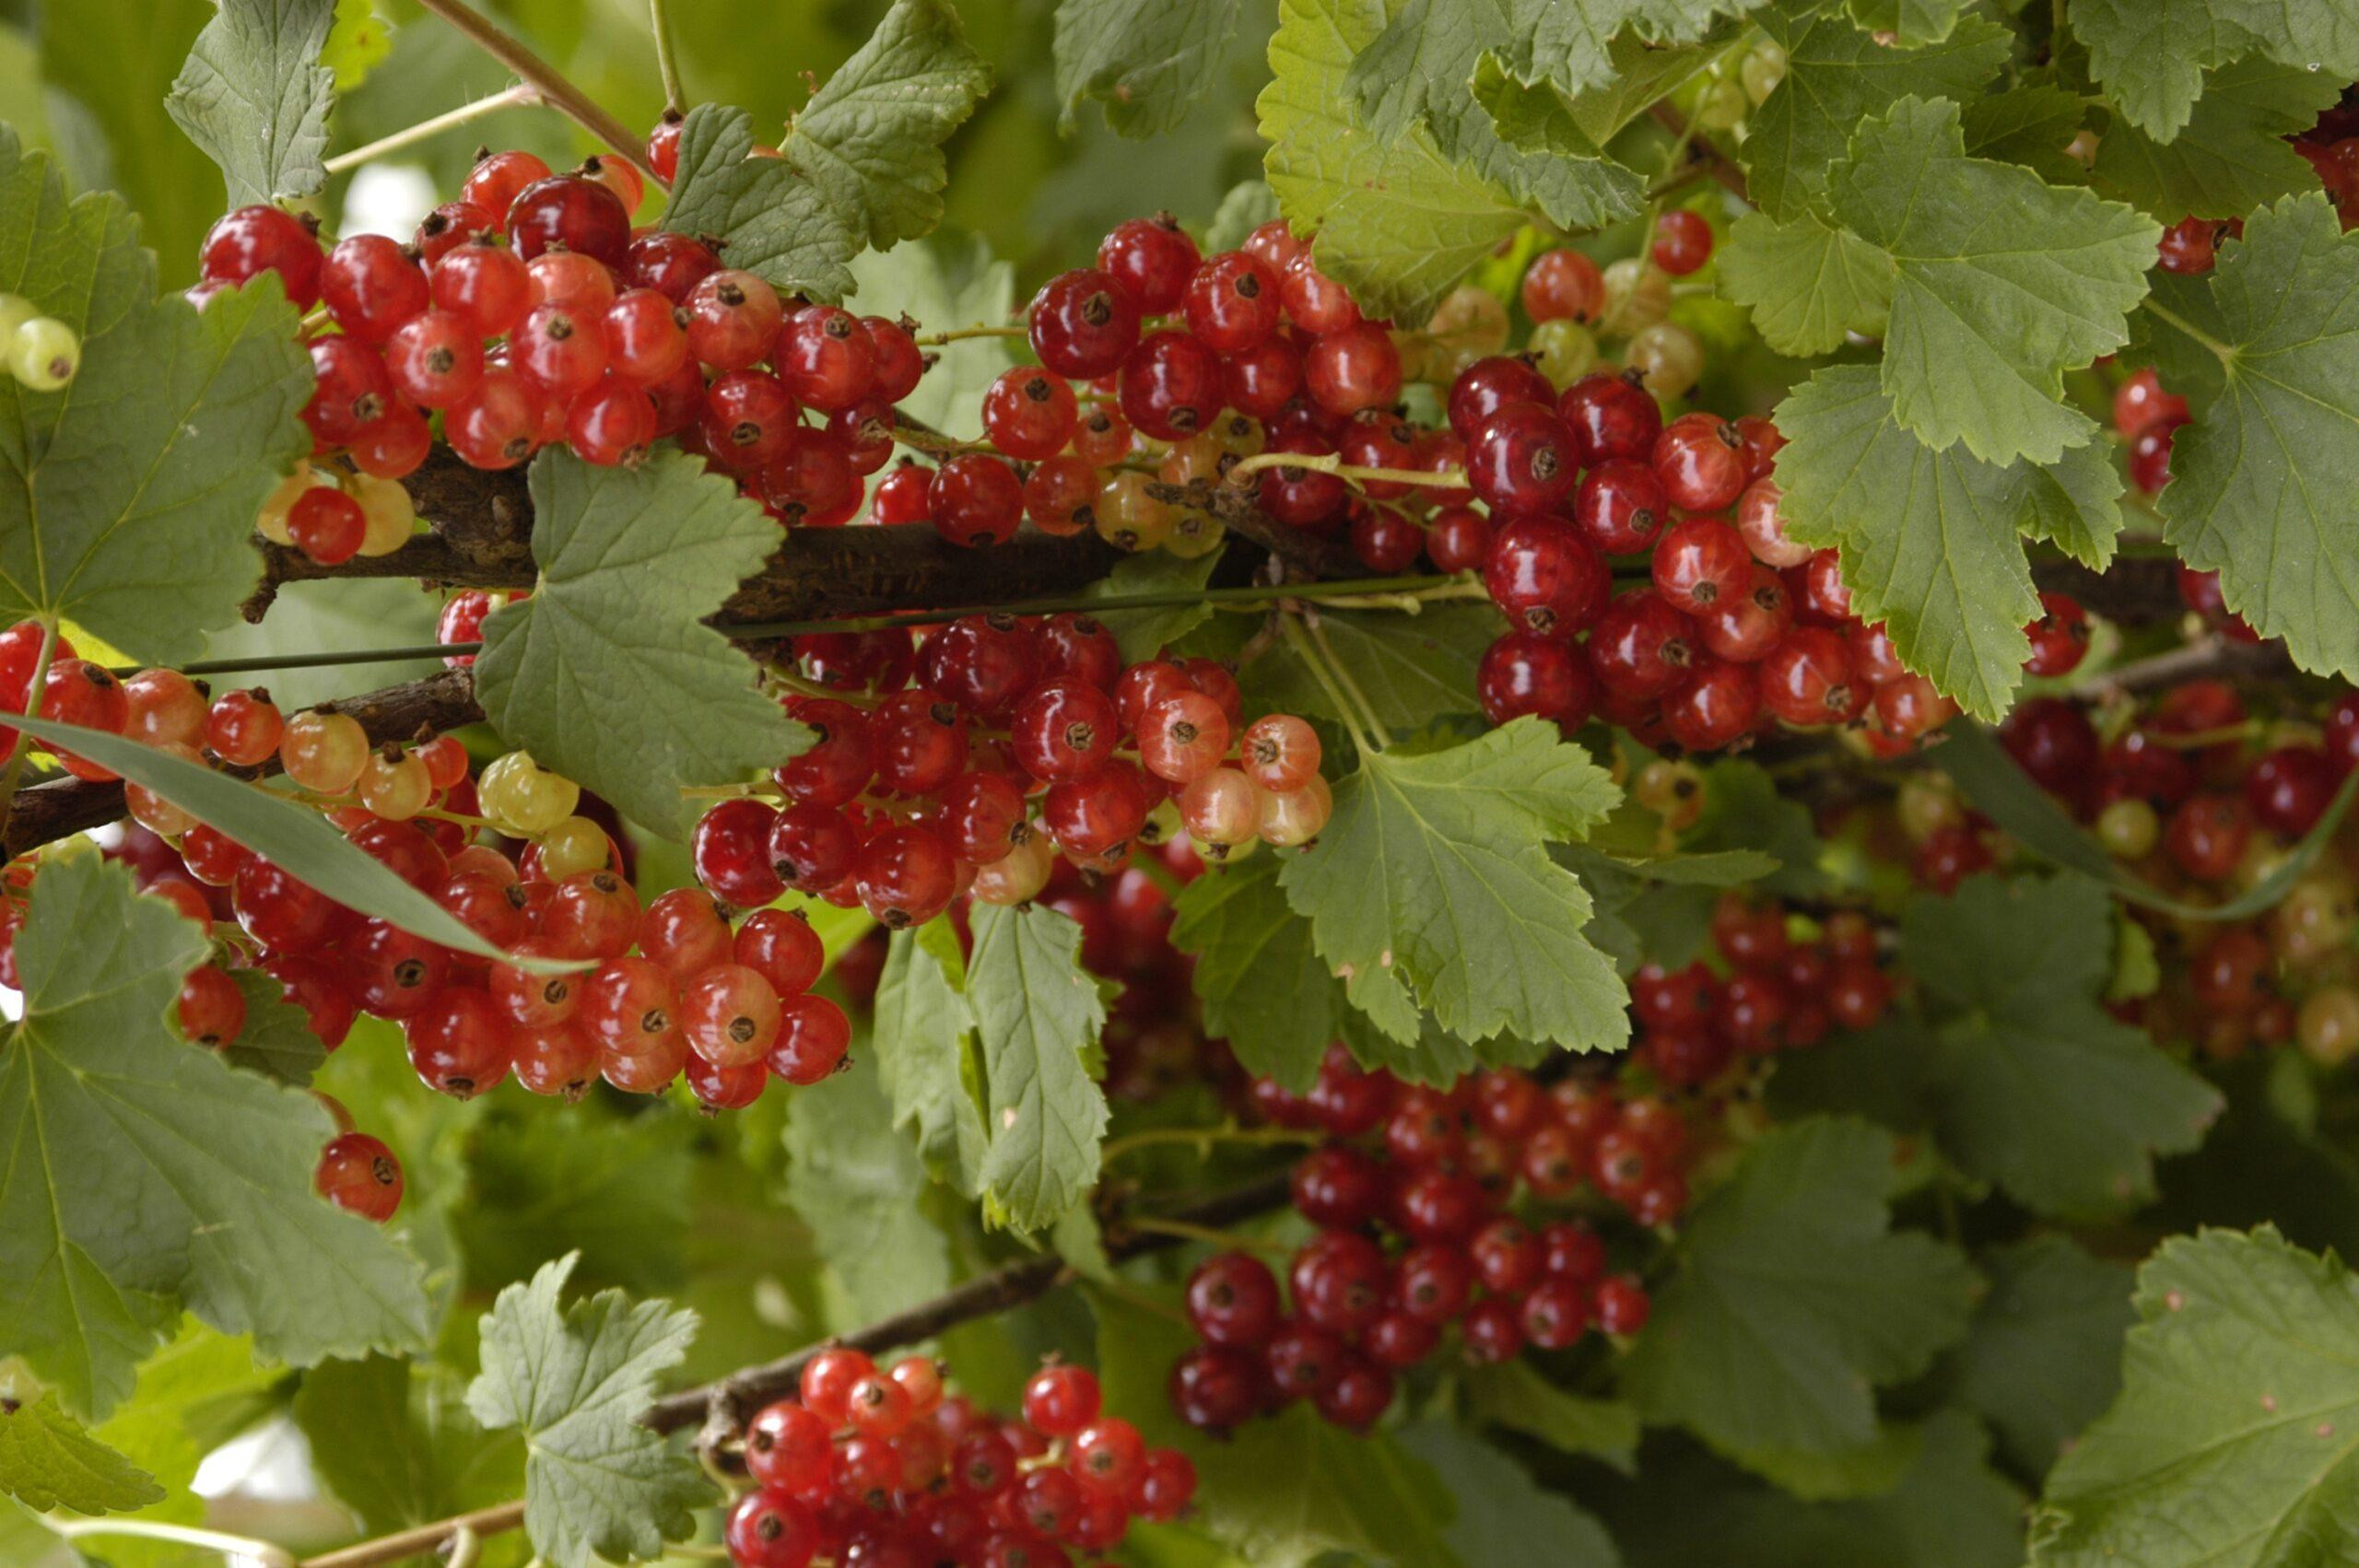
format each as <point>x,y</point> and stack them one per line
<point>43,353</point>
<point>14,312</point>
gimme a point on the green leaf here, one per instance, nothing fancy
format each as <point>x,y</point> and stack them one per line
<point>147,1172</point>
<point>292,837</point>
<point>2001,282</point>
<point>2260,480</point>
<point>857,1184</point>
<point>2032,123</point>
<point>1911,22</point>
<point>1643,75</point>
<point>1038,1014</point>
<point>256,97</point>
<point>396,1445</point>
<point>128,499</point>
<point>1249,204</point>
<point>573,1380</point>
<point>1433,876</point>
<point>1792,1299</point>
<point>1283,1491</point>
<point>1398,222</point>
<point>927,1062</point>
<point>1530,141</point>
<point>2151,55</point>
<point>1504,1519</point>
<point>953,280</point>
<point>1991,782</point>
<point>48,1460</point>
<point>1515,1395</point>
<point>770,222</point>
<point>1144,633</point>
<point>2233,157</point>
<point>1808,284</point>
<point>607,672</point>
<point>2230,1441</point>
<point>1838,78</point>
<point>870,141</point>
<point>1931,543</point>
<point>1949,1511</point>
<point>613,1192</point>
<point>357,43</point>
<point>1414,668</point>
<point>1147,62</point>
<point>1416,67</point>
<point>2032,1083</point>
<point>1743,810</point>
<point>277,1040</point>
<point>1263,988</point>
<point>2044,1357</point>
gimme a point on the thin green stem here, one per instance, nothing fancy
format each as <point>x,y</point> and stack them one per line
<point>667,65</point>
<point>1349,681</point>
<point>1328,463</point>
<point>1204,1138</point>
<point>1290,628</point>
<point>556,89</point>
<point>2179,323</point>
<point>1140,1299</point>
<point>515,96</point>
<point>228,1545</point>
<point>960,334</point>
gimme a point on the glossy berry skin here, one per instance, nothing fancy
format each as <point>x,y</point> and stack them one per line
<point>1232,302</point>
<point>255,239</point>
<point>578,215</point>
<point>2206,837</point>
<point>327,525</point>
<point>1083,326</point>
<point>1060,1400</point>
<point>350,390</point>
<point>1172,386</point>
<point>2289,789</point>
<point>2188,247</point>
<point>2059,638</point>
<point>1620,507</point>
<point>1029,414</point>
<point>813,1034</point>
<point>1700,460</point>
<point>1525,673</point>
<point>1700,564</point>
<point>771,1529</point>
<point>1355,368</point>
<point>1683,242</point>
<point>1521,460</point>
<point>730,852</point>
<point>1807,681</point>
<point>1232,1299</point>
<point>825,358</point>
<point>733,319</point>
<point>1263,379</point>
<point>1641,646</point>
<point>1151,261</point>
<point>1544,577</point>
<point>905,876</point>
<point>975,499</point>
<point>1218,1389</point>
<point>1457,539</point>
<point>1611,418</point>
<point>1562,284</point>
<point>435,359</point>
<point>1490,384</point>
<point>1338,1279</point>
<point>1715,707</point>
<point>359,1173</point>
<point>1065,729</point>
<point>371,287</point>
<point>458,1043</point>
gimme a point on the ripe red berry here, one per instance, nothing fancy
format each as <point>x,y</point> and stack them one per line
<point>1151,260</point>
<point>359,1173</point>
<point>975,499</point>
<point>1683,242</point>
<point>1521,460</point>
<point>1172,386</point>
<point>255,239</point>
<point>568,212</point>
<point>1083,326</point>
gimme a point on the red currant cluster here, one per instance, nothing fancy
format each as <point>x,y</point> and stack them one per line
<point>2203,800</point>
<point>676,990</point>
<point>1737,628</point>
<point>1779,993</point>
<point>916,794</point>
<point>882,1468</point>
<point>1412,1195</point>
<point>530,313</point>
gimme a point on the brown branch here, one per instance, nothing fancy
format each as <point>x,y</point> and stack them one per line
<point>63,807</point>
<point>723,1406</point>
<point>556,90</point>
<point>1717,164</point>
<point>2133,590</point>
<point>482,525</point>
<point>2214,657</point>
<point>1236,510</point>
